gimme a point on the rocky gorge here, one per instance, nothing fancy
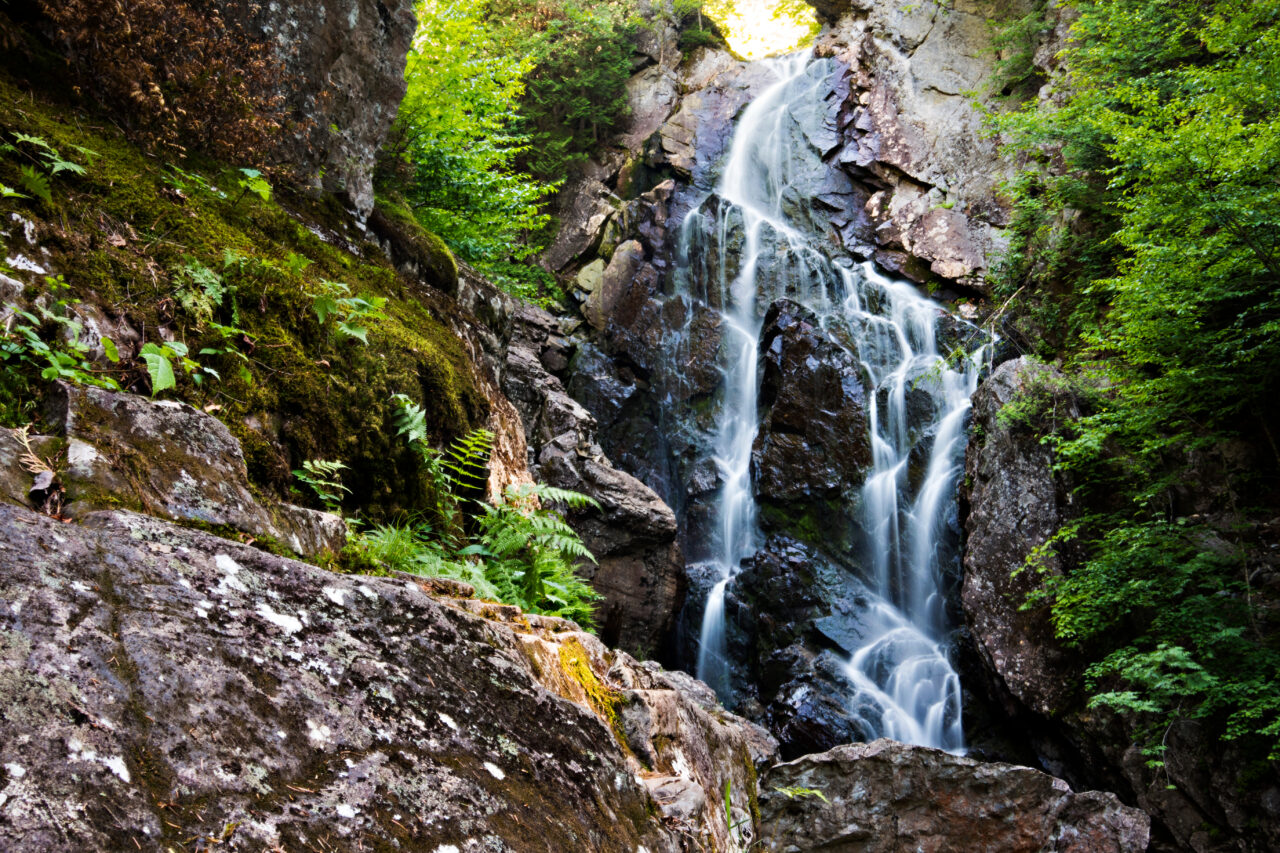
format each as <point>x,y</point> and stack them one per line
<point>181,671</point>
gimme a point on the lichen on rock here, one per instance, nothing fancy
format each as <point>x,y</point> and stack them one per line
<point>164,686</point>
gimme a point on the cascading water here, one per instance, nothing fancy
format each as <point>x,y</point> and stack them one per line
<point>749,243</point>
<point>752,184</point>
<point>907,689</point>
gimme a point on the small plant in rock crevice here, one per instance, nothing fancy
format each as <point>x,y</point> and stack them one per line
<point>351,314</point>
<point>45,343</point>
<point>324,478</point>
<point>42,163</point>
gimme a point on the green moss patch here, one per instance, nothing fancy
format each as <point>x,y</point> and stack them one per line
<point>413,245</point>
<point>604,700</point>
<point>291,388</point>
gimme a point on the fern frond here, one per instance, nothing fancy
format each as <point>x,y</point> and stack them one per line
<point>467,460</point>
<point>36,141</point>
<point>410,419</point>
<point>551,494</point>
<point>36,184</point>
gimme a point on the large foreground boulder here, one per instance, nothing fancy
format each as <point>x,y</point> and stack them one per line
<point>165,689</point>
<point>886,796</point>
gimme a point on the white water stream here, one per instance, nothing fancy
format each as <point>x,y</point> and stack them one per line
<point>905,688</point>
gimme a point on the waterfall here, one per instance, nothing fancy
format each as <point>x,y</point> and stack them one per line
<point>748,243</point>
<point>754,177</point>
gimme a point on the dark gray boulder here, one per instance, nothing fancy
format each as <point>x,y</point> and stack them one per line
<point>345,63</point>
<point>884,796</point>
<point>1014,505</point>
<point>813,447</point>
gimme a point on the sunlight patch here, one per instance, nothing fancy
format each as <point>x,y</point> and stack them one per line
<point>759,28</point>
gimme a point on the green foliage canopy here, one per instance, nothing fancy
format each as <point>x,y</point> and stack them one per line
<point>580,55</point>
<point>504,98</point>
<point>1154,217</point>
<point>457,133</point>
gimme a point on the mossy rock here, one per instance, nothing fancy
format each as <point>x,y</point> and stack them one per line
<point>605,701</point>
<point>414,248</point>
<point>118,233</point>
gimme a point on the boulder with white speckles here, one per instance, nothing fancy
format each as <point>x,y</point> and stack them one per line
<point>169,459</point>
<point>165,689</point>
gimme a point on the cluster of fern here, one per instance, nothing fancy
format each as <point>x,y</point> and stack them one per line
<point>518,551</point>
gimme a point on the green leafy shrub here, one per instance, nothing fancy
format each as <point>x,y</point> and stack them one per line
<point>575,94</point>
<point>504,99</point>
<point>1015,43</point>
<point>1047,402</point>
<point>518,551</point>
<point>528,281</point>
<point>695,37</point>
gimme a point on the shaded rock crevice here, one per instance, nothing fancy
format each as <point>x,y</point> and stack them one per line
<point>639,568</point>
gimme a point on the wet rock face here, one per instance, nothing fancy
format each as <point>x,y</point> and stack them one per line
<point>716,87</point>
<point>812,449</point>
<point>922,179</point>
<point>886,796</point>
<point>344,62</point>
<point>1013,502</point>
<point>794,618</point>
<point>162,685</point>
